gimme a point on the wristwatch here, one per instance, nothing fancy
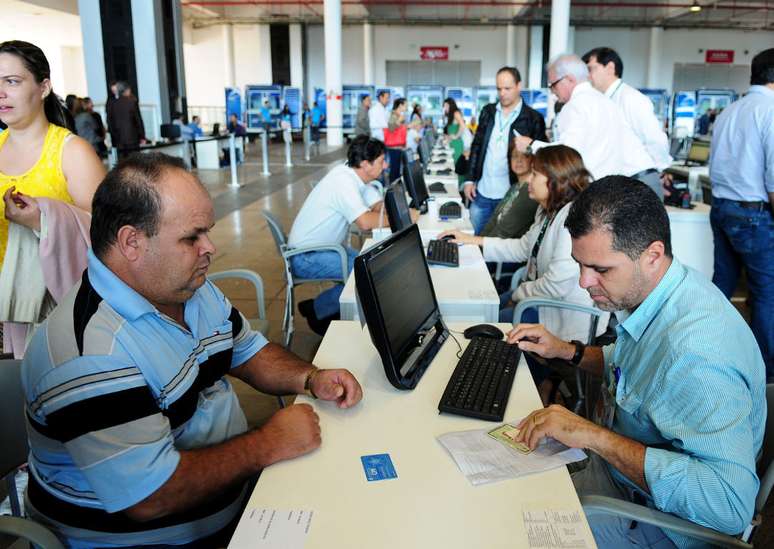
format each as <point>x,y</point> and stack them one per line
<point>308,382</point>
<point>580,348</point>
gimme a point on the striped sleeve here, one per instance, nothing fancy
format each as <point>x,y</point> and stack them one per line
<point>102,411</point>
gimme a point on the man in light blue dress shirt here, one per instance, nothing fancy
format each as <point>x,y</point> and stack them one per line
<point>683,386</point>
<point>742,216</point>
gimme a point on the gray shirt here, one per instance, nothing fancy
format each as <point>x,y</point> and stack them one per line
<point>362,126</point>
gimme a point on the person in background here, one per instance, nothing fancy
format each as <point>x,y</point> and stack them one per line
<point>454,129</point>
<point>473,124</point>
<point>88,106</point>
<point>286,124</point>
<point>71,102</point>
<point>185,132</point>
<point>683,397</point>
<point>125,121</point>
<point>396,137</point>
<point>266,116</point>
<point>86,126</point>
<point>416,114</point>
<point>558,177</point>
<point>605,72</point>
<point>378,117</point>
<point>742,216</point>
<point>235,126</point>
<point>489,174</point>
<point>516,211</point>
<point>112,97</point>
<point>335,202</point>
<point>316,120</point>
<point>593,125</point>
<point>362,126</point>
<point>704,125</point>
<point>39,155</point>
<point>195,127</point>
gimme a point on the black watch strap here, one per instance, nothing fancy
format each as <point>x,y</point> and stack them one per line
<point>580,348</point>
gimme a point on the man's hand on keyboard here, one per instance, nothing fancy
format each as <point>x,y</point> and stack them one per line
<point>559,423</point>
<point>536,339</point>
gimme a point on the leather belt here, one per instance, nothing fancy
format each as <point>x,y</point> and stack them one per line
<point>757,205</point>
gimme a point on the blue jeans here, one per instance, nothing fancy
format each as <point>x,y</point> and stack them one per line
<point>745,238</point>
<point>481,209</point>
<point>326,264</point>
<point>539,371</point>
<point>394,157</point>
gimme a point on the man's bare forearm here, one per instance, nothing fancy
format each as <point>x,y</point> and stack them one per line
<point>275,371</point>
<point>593,360</point>
<point>203,473</point>
<point>625,454</point>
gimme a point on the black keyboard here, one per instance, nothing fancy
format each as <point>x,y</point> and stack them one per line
<point>443,252</point>
<point>450,210</point>
<point>481,383</point>
<point>437,187</point>
<point>442,171</point>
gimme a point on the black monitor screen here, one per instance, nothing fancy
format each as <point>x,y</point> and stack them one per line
<point>404,292</point>
<point>415,182</point>
<point>396,206</point>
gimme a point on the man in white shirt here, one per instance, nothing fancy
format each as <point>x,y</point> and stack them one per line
<point>593,125</point>
<point>338,200</point>
<point>378,117</point>
<point>605,71</point>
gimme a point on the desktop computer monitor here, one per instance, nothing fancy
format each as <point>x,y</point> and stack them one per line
<point>398,302</point>
<point>415,181</point>
<point>699,152</point>
<point>396,206</point>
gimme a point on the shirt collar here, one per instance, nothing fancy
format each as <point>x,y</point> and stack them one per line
<point>516,110</point>
<point>123,299</point>
<point>638,321</point>
<point>762,90</point>
<point>612,88</point>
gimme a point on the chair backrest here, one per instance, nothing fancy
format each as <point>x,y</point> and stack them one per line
<point>13,434</point>
<point>766,463</point>
<point>276,231</point>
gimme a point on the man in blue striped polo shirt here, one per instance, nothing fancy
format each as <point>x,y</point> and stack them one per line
<point>136,435</point>
<point>684,385</point>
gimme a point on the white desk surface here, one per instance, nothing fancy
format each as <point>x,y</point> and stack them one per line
<point>430,504</point>
<point>464,293</point>
<point>692,240</point>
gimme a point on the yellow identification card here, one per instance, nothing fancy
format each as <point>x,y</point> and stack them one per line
<point>507,435</point>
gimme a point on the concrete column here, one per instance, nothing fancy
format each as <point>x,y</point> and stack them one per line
<point>368,54</point>
<point>510,46</point>
<point>296,57</point>
<point>332,18</point>
<point>535,56</point>
<point>93,52</point>
<point>228,54</point>
<point>560,28</point>
<point>150,64</point>
<point>521,50</point>
<point>654,56</point>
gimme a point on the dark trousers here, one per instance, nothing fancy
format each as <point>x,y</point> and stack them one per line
<point>744,238</point>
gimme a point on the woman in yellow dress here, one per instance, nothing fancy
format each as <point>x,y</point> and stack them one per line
<point>39,154</point>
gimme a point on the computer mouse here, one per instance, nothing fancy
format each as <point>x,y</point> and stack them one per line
<point>448,237</point>
<point>483,330</point>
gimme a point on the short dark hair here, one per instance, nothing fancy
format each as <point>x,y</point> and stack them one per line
<point>604,56</point>
<point>363,148</point>
<point>513,71</point>
<point>129,195</point>
<point>630,210</point>
<point>383,93</point>
<point>397,103</point>
<point>762,69</point>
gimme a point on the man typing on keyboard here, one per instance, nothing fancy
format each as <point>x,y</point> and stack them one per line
<point>683,388</point>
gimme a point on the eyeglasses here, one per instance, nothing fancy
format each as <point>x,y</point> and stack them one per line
<point>555,82</point>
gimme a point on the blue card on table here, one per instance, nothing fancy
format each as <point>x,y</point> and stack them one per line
<point>378,467</point>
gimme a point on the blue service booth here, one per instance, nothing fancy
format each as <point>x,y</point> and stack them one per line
<point>291,96</point>
<point>431,99</point>
<point>537,99</point>
<point>351,96</point>
<point>464,99</point>
<point>689,106</point>
<point>255,95</point>
<point>660,100</point>
<point>320,99</point>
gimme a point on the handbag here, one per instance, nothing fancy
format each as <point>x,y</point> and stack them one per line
<point>395,138</point>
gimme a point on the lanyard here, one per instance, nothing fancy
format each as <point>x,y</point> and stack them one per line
<point>503,124</point>
<point>618,87</point>
<point>532,266</point>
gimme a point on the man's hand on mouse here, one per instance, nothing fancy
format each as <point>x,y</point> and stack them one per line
<point>536,339</point>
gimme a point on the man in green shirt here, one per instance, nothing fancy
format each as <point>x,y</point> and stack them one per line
<point>516,211</point>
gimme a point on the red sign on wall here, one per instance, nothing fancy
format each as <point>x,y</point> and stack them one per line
<point>434,53</point>
<point>719,56</point>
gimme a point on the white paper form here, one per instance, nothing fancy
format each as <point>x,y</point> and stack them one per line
<point>263,528</point>
<point>551,528</point>
<point>482,459</point>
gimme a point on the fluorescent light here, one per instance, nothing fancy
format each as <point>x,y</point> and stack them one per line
<point>695,8</point>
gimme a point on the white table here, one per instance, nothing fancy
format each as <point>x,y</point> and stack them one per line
<point>464,293</point>
<point>430,504</point>
<point>692,241</point>
<point>208,151</point>
<point>430,224</point>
